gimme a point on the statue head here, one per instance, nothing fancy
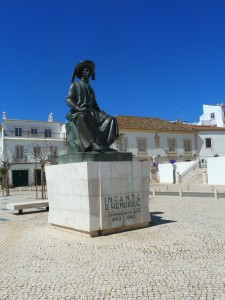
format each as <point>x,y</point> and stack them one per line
<point>79,68</point>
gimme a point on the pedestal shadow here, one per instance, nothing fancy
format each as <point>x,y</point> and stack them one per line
<point>156,219</point>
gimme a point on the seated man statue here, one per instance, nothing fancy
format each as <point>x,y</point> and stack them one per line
<point>90,129</point>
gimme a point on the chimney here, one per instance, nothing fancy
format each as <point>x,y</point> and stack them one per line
<point>50,117</point>
<point>4,115</point>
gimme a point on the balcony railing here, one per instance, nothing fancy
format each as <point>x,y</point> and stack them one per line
<point>20,159</point>
<point>38,135</point>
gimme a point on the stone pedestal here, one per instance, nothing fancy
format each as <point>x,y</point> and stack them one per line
<point>99,197</point>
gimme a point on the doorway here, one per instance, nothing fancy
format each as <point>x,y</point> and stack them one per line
<point>20,178</point>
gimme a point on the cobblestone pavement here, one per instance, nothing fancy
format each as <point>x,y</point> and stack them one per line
<point>181,257</point>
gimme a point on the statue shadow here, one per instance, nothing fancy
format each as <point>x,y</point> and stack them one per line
<point>157,219</point>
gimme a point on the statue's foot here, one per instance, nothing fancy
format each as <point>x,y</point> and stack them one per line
<point>99,148</point>
<point>111,150</point>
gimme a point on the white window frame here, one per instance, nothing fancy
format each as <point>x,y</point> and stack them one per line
<point>35,133</point>
<point>142,144</point>
<point>18,131</point>
<point>19,152</point>
<point>212,116</point>
<point>185,143</point>
<point>210,143</point>
<point>122,144</point>
<point>48,133</point>
<point>37,151</point>
<point>172,145</point>
<point>53,151</point>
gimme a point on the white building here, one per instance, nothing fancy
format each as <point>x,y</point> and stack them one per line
<point>211,141</point>
<point>213,115</point>
<point>22,140</point>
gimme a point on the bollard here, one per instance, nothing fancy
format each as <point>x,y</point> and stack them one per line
<point>205,180</point>
<point>20,189</point>
<point>178,178</point>
<point>153,192</point>
<point>216,194</point>
<point>180,193</point>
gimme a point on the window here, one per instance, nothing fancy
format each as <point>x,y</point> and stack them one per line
<point>187,145</point>
<point>48,133</point>
<point>157,140</point>
<point>18,131</point>
<point>141,144</point>
<point>122,144</point>
<point>19,150</point>
<point>53,152</point>
<point>33,131</point>
<point>212,116</point>
<point>208,143</point>
<point>37,151</point>
<point>171,145</point>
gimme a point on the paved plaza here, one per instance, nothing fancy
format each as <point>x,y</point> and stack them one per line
<point>181,257</point>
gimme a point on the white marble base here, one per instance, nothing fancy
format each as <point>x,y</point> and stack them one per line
<point>99,197</point>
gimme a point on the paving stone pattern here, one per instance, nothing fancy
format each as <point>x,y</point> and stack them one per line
<point>181,257</point>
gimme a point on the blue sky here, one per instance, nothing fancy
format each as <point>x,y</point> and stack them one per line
<point>161,58</point>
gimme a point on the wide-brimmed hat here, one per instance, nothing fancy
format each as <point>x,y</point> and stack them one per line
<point>79,68</point>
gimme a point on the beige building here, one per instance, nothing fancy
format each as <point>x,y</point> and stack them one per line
<point>149,137</point>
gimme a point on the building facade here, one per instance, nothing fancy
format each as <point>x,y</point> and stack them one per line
<point>147,138</point>
<point>210,140</point>
<point>25,143</point>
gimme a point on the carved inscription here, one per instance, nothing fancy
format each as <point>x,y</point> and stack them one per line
<point>113,203</point>
<point>120,208</point>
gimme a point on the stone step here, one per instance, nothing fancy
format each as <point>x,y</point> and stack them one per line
<point>195,176</point>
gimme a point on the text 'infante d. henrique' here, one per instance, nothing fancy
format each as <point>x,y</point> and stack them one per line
<point>122,201</point>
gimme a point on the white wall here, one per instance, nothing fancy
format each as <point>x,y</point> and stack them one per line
<point>216,170</point>
<point>218,143</point>
<point>166,170</point>
<point>166,173</point>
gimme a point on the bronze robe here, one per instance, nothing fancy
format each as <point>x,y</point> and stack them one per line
<point>92,124</point>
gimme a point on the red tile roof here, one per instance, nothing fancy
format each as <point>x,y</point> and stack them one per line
<point>155,124</point>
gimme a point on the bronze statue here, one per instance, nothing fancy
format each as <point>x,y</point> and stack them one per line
<point>90,129</point>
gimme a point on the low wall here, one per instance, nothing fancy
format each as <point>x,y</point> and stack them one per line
<point>166,170</point>
<point>216,170</point>
<point>166,173</point>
